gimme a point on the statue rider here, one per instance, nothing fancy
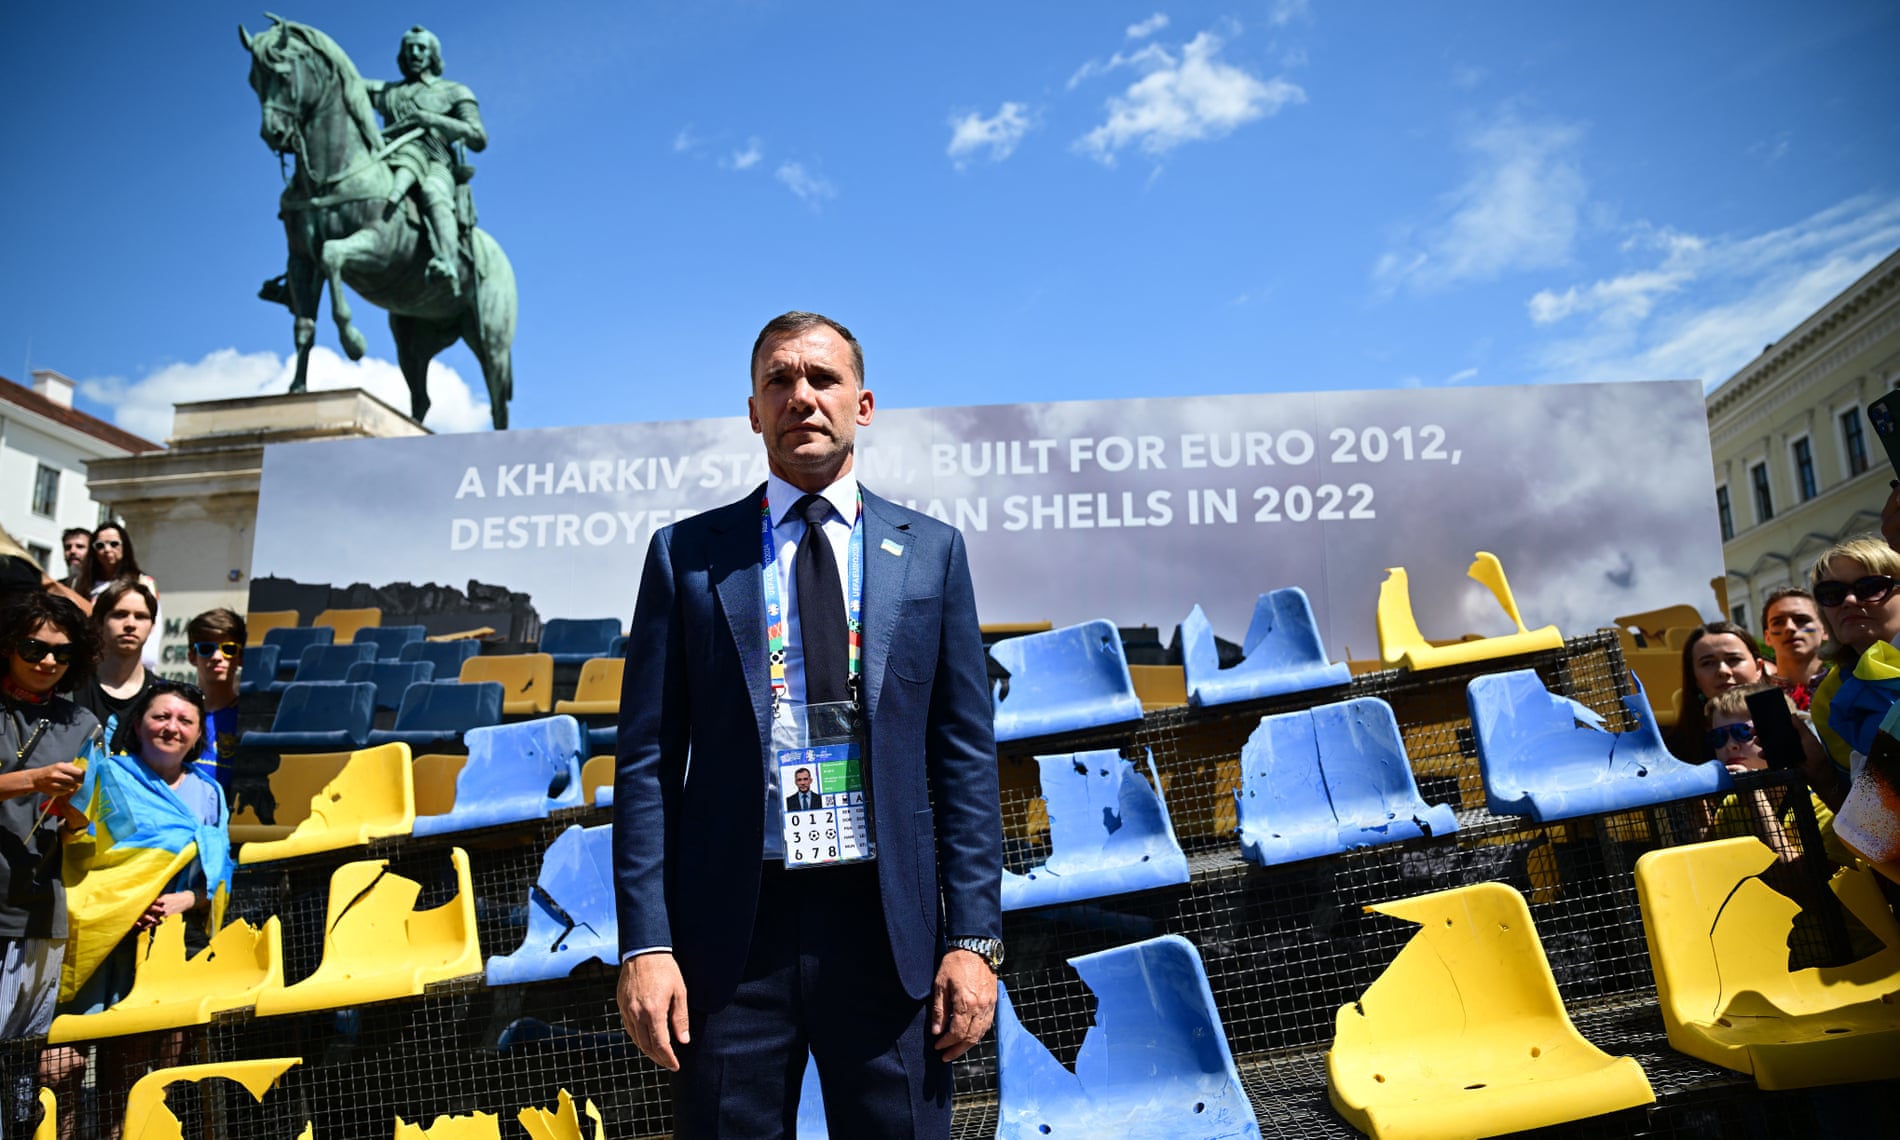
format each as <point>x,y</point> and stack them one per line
<point>447,113</point>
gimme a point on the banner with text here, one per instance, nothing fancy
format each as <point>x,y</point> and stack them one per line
<point>1598,498</point>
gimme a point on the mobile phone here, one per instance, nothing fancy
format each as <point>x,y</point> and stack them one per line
<point>1775,728</point>
<point>1884,414</point>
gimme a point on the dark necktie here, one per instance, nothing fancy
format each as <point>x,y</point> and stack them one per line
<point>821,619</point>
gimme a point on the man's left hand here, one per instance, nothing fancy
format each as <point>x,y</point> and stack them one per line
<point>962,1003</point>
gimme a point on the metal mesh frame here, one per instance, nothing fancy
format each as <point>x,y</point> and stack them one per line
<point>1284,947</point>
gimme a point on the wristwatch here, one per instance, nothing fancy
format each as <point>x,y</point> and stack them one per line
<point>988,949</point>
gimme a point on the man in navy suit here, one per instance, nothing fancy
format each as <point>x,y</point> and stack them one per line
<point>733,966</point>
<point>804,799</point>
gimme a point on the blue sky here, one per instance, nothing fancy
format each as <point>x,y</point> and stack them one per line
<point>1008,203</point>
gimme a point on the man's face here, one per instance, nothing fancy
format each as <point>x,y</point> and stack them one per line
<point>807,403</point>
<point>803,779</point>
<point>128,625</point>
<point>415,57</point>
<point>216,667</point>
<point>38,677</point>
<point>76,547</point>
<point>1794,627</point>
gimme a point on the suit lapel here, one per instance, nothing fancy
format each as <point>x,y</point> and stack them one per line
<point>884,574</point>
<point>739,577</point>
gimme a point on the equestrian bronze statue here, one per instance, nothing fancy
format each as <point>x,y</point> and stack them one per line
<point>385,208</point>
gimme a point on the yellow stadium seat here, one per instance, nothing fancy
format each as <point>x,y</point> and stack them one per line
<point>1718,938</point>
<point>1654,623</point>
<point>563,1123</point>
<point>257,624</point>
<point>527,680</point>
<point>597,773</point>
<point>1402,645</point>
<point>347,622</point>
<point>1464,1034</point>
<point>147,1117</point>
<point>995,629</point>
<point>479,1126</point>
<point>377,946</point>
<point>1659,670</point>
<point>435,776</point>
<point>598,691</point>
<point>171,991</point>
<point>371,797</point>
<point>1159,686</point>
<point>48,1128</point>
<point>293,786</point>
<point>1858,888</point>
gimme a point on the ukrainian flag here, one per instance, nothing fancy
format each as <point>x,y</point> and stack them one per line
<point>143,836</point>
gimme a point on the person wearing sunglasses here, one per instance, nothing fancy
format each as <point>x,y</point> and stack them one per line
<point>46,648</point>
<point>1717,657</point>
<point>216,640</point>
<point>124,617</point>
<point>113,560</point>
<point>1854,582</point>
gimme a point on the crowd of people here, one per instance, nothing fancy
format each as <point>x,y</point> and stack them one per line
<point>108,766</point>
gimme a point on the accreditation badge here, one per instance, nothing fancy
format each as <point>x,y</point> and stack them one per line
<point>819,751</point>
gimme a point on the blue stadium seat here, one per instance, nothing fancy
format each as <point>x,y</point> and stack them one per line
<point>1548,757</point>
<point>319,717</point>
<point>570,911</point>
<point>259,669</point>
<point>1329,779</point>
<point>515,772</point>
<point>572,641</point>
<point>391,678</point>
<point>290,642</point>
<point>1109,833</point>
<point>389,639</point>
<point>1282,652</point>
<point>603,740</point>
<point>435,714</point>
<point>618,647</point>
<point>1062,681</point>
<point>326,663</point>
<point>446,656</point>
<point>1153,1066</point>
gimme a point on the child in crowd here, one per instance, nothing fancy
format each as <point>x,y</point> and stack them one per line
<point>217,652</point>
<point>123,617</point>
<point>1731,739</point>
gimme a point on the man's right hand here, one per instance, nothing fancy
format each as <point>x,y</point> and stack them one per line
<point>653,1006</point>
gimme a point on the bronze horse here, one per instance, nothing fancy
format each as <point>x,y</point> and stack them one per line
<point>340,228</point>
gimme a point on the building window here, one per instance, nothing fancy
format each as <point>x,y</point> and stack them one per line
<point>1804,484</point>
<point>1724,513</point>
<point>1739,615</point>
<point>1853,442</point>
<point>46,491</point>
<point>43,556</point>
<point>1764,498</point>
<point>105,516</point>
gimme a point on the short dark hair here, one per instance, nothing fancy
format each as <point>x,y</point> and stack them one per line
<point>1780,592</point>
<point>798,321</point>
<point>36,608</point>
<point>72,530</point>
<point>216,625</point>
<point>108,599</point>
<point>126,739</point>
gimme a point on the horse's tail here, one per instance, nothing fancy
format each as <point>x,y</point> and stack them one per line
<point>495,312</point>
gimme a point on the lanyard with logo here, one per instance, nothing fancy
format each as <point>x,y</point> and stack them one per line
<point>818,749</point>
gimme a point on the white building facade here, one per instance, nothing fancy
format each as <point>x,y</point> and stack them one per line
<point>45,445</point>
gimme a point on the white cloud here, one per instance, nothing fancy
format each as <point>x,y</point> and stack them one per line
<point>144,406</point>
<point>685,140</point>
<point>812,188</point>
<point>1518,209</point>
<point>1700,308</point>
<point>1148,27</point>
<point>1285,12</point>
<point>999,133</point>
<point>1185,98</point>
<point>746,158</point>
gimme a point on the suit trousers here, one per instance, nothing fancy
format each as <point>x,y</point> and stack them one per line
<point>818,977</point>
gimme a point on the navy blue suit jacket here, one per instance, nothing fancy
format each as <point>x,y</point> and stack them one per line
<point>689,779</point>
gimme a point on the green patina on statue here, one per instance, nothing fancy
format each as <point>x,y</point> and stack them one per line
<point>387,208</point>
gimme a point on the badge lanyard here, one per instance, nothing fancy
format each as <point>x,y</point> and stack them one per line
<point>828,821</point>
<point>775,606</point>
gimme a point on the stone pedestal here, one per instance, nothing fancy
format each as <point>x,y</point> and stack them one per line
<point>192,508</point>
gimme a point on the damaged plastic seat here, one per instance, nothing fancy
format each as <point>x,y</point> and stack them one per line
<point>514,773</point>
<point>1718,937</point>
<point>436,714</point>
<point>1282,654</point>
<point>1329,779</point>
<point>1401,645</point>
<point>1109,833</point>
<point>597,693</point>
<point>1153,1066</point>
<point>1465,1034</point>
<point>148,1118</point>
<point>562,1122</point>
<point>170,991</point>
<point>1539,761</point>
<point>372,796</point>
<point>1063,681</point>
<point>319,717</point>
<point>527,681</point>
<point>293,785</point>
<point>570,911</point>
<point>476,1125</point>
<point>377,946</point>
